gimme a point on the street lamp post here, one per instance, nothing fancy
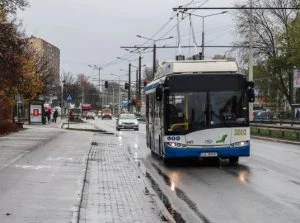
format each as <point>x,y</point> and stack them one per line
<point>95,67</point>
<point>154,50</point>
<point>203,17</point>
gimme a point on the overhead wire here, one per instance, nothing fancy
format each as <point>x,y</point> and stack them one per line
<point>173,15</point>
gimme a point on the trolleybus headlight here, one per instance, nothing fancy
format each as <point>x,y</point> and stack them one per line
<point>175,145</point>
<point>242,143</point>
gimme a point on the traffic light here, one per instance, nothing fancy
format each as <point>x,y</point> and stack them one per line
<point>106,84</point>
<point>126,85</point>
<point>145,83</point>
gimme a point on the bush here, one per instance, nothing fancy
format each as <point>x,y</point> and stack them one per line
<point>6,126</point>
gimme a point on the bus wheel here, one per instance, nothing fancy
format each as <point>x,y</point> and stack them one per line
<point>166,162</point>
<point>234,160</point>
<point>153,154</point>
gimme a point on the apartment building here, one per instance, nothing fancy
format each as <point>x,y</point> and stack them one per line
<point>50,66</point>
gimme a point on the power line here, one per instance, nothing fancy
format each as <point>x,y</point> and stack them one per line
<point>211,46</point>
<point>232,8</point>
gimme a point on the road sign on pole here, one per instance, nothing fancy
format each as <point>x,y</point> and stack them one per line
<point>69,98</point>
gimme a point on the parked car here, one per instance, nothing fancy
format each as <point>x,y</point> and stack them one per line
<point>90,115</point>
<point>127,121</point>
<point>262,115</point>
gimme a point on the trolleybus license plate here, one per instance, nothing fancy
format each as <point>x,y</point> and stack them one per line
<point>211,154</point>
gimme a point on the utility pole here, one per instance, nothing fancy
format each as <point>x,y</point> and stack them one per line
<point>136,84</point>
<point>154,49</point>
<point>95,67</point>
<point>251,57</point>
<point>202,55</point>
<point>113,102</point>
<point>119,106</point>
<point>129,89</point>
<point>154,60</point>
<point>100,96</point>
<point>139,83</point>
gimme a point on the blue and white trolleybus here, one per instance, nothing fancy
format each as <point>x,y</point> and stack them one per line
<point>199,109</point>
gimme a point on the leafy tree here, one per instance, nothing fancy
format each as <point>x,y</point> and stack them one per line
<point>18,63</point>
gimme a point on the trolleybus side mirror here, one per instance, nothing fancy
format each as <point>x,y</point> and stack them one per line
<point>166,89</point>
<point>158,93</point>
<point>250,89</point>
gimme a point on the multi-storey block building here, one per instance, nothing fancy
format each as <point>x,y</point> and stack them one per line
<point>49,62</point>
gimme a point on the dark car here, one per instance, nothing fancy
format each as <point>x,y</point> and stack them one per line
<point>127,121</point>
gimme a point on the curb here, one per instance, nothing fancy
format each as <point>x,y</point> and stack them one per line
<point>79,197</point>
<point>161,207</point>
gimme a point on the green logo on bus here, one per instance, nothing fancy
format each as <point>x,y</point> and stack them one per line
<point>222,140</point>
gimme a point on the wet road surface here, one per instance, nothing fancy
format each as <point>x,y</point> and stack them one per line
<point>40,173</point>
<point>262,188</point>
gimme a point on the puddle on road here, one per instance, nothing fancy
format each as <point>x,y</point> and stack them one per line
<point>239,171</point>
<point>182,195</point>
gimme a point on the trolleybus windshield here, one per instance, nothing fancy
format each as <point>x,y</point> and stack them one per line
<point>196,110</point>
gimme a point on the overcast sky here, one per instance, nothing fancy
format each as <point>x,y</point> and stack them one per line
<point>92,31</point>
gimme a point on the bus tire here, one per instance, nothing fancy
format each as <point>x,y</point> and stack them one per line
<point>233,160</point>
<point>166,162</point>
<point>153,154</point>
<point>159,147</point>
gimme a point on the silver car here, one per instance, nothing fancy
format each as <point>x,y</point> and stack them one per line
<point>127,121</point>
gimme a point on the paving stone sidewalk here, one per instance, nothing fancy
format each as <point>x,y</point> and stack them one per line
<point>114,189</point>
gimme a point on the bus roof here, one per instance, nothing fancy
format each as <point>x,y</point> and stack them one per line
<point>196,66</point>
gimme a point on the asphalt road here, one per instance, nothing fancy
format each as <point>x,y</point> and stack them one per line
<point>262,188</point>
<point>40,172</point>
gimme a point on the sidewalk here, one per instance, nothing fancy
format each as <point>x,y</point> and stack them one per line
<point>115,190</point>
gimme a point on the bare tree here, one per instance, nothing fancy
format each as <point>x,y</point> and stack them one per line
<point>271,34</point>
<point>11,6</point>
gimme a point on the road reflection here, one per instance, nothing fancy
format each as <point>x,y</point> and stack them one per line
<point>240,171</point>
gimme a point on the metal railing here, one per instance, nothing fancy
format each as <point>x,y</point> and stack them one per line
<point>277,122</point>
<point>289,130</point>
